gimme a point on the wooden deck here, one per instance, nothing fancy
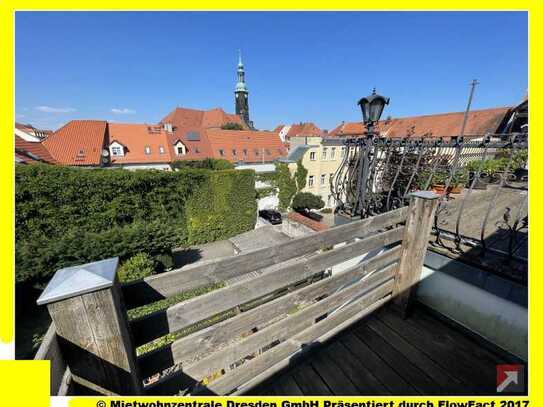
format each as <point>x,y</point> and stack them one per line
<point>384,354</point>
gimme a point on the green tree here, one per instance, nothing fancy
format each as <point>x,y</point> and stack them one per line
<point>139,266</point>
<point>300,175</point>
<point>286,185</point>
<point>232,126</point>
<point>305,201</point>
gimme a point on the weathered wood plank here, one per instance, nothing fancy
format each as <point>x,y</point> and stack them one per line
<point>376,287</point>
<point>217,336</point>
<point>94,338</point>
<point>310,382</point>
<point>287,386</point>
<point>356,370</point>
<point>334,377</point>
<point>385,374</point>
<point>50,350</point>
<point>418,226</point>
<point>447,353</point>
<point>165,285</point>
<point>416,377</point>
<point>262,367</point>
<point>191,311</point>
<point>447,381</point>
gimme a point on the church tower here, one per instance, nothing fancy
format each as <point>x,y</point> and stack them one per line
<point>242,95</point>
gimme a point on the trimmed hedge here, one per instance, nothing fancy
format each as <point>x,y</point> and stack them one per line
<point>66,216</point>
<point>206,163</point>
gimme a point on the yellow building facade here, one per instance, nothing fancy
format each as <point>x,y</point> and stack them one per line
<point>321,157</point>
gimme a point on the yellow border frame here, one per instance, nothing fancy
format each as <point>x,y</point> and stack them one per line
<point>30,374</point>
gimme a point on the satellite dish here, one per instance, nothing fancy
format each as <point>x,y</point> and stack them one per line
<point>105,152</point>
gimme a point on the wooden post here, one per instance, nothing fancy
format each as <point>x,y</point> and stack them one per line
<point>87,309</point>
<point>418,225</point>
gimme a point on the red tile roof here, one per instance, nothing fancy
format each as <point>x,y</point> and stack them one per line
<point>217,118</point>
<point>32,152</point>
<point>182,117</point>
<point>135,138</point>
<point>437,125</point>
<point>301,129</point>
<point>246,146</point>
<point>78,142</point>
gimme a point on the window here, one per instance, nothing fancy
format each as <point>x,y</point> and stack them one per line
<point>324,152</point>
<point>323,179</point>
<point>257,152</point>
<point>333,153</point>
<point>234,152</point>
<point>161,150</point>
<point>221,152</point>
<point>116,150</point>
<point>180,148</point>
<point>147,150</point>
<point>268,152</point>
<point>312,156</point>
<point>311,181</point>
<point>196,150</point>
<point>342,152</point>
<point>245,152</point>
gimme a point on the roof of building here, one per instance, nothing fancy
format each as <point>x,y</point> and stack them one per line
<point>296,153</point>
<point>78,142</point>
<point>182,118</point>
<point>444,125</point>
<point>244,145</point>
<point>187,123</point>
<point>31,152</point>
<point>300,129</point>
<point>135,138</point>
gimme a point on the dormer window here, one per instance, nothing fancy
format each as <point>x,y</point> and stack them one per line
<point>116,149</point>
<point>180,148</point>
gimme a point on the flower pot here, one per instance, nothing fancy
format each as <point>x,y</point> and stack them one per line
<point>456,190</point>
<point>439,189</point>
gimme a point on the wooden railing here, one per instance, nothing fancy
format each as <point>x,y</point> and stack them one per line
<point>60,379</point>
<point>274,304</point>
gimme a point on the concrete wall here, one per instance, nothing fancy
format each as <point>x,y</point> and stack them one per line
<point>493,307</point>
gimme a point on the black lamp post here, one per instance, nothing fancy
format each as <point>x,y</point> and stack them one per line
<point>372,107</point>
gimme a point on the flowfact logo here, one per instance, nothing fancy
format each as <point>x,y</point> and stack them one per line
<point>510,379</point>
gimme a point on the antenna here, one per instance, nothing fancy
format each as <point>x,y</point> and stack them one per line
<point>474,83</point>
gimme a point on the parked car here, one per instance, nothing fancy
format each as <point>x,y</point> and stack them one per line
<point>271,216</point>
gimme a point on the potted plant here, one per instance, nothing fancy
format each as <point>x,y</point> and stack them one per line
<point>439,179</point>
<point>472,168</point>
<point>458,181</point>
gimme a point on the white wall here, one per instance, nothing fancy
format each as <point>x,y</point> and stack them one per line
<point>268,202</point>
<point>25,136</point>
<point>143,166</point>
<point>491,315</point>
<point>265,167</point>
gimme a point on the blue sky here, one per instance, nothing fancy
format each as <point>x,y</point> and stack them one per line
<point>299,66</point>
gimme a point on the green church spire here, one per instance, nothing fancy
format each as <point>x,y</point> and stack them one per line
<point>242,94</point>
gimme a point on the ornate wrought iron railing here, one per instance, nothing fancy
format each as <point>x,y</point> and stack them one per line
<point>482,181</point>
